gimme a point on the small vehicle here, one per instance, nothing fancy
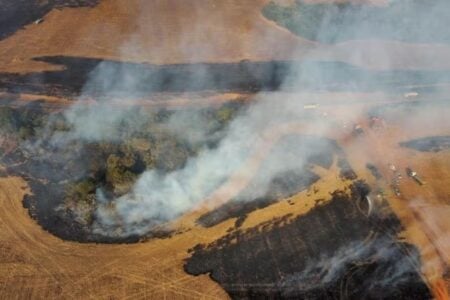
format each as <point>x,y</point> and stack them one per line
<point>410,172</point>
<point>413,175</point>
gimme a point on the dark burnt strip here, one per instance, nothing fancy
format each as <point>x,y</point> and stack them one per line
<point>106,78</point>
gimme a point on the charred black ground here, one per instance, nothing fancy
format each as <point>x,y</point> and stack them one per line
<point>332,252</point>
<point>85,76</point>
<point>18,13</point>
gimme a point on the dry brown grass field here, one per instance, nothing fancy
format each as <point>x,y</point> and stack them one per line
<point>35,264</point>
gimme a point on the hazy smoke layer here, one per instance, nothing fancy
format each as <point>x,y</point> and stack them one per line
<point>158,198</point>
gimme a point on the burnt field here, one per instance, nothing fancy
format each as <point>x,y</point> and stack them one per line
<point>14,15</point>
<point>65,172</point>
<point>87,77</point>
<point>429,144</point>
<point>332,252</point>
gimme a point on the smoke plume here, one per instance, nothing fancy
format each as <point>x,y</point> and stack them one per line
<point>158,198</point>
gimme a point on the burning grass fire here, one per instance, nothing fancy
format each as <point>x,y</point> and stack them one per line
<point>236,149</point>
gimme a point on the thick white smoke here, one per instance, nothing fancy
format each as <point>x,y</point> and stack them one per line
<point>157,197</point>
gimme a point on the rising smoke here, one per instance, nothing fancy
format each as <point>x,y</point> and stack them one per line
<point>157,198</point>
